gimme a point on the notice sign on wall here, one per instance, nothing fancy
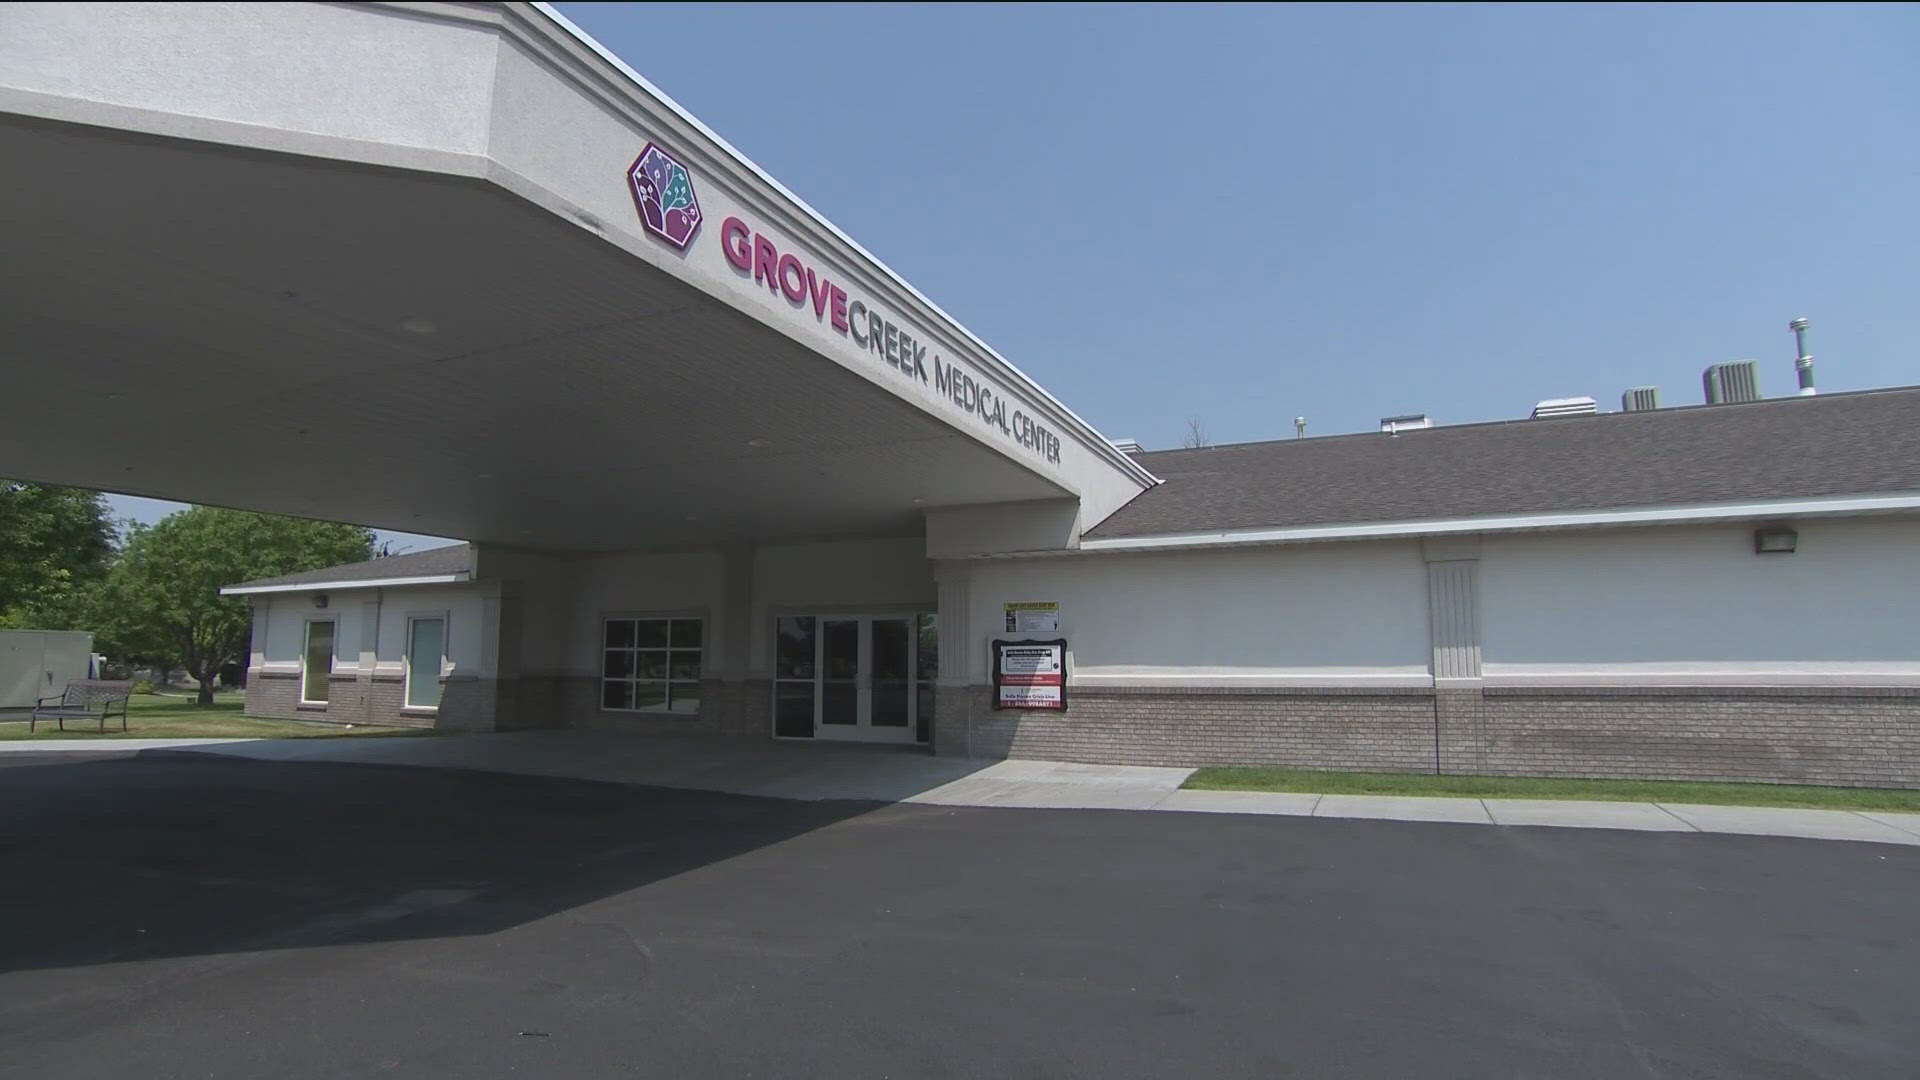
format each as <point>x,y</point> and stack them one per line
<point>1033,617</point>
<point>1030,674</point>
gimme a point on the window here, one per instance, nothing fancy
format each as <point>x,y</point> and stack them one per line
<point>426,652</point>
<point>319,663</point>
<point>651,665</point>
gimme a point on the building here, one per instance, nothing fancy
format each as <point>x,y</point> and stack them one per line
<point>36,664</point>
<point>1705,592</point>
<point>460,271</point>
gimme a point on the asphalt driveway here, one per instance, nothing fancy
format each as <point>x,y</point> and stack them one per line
<point>189,916</point>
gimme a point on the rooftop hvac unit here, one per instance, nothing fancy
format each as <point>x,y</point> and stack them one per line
<point>1126,446</point>
<point>1410,422</point>
<point>1732,382</point>
<point>1565,406</point>
<point>1640,399</point>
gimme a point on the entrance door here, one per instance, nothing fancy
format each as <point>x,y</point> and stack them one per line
<point>851,677</point>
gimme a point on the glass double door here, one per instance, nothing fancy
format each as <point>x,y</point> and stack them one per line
<point>860,678</point>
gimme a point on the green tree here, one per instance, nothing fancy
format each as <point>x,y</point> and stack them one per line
<point>54,541</point>
<point>162,599</point>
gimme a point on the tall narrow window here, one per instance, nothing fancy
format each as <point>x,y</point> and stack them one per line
<point>313,682</point>
<point>652,665</point>
<point>796,646</point>
<point>426,651</point>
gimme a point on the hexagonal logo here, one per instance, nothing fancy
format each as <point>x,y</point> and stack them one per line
<point>663,192</point>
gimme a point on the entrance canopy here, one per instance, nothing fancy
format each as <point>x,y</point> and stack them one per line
<point>456,271</point>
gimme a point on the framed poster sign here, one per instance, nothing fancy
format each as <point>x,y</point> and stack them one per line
<point>1033,617</point>
<point>1030,674</point>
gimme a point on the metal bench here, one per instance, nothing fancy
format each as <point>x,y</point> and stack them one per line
<point>85,699</point>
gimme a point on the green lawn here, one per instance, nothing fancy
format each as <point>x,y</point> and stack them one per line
<point>155,716</point>
<point>1522,787</point>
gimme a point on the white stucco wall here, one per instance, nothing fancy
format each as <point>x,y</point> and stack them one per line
<point>1349,614</point>
<point>679,584</point>
<point>416,83</point>
<point>850,573</point>
<point>846,575</point>
<point>1695,605</point>
<point>370,628</point>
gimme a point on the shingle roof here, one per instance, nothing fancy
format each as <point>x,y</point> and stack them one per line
<point>433,562</point>
<point>1778,448</point>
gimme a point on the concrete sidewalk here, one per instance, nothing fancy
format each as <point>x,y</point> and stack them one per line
<point>784,770</point>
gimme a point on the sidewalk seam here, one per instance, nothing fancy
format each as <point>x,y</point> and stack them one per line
<point>1888,824</point>
<point>1677,817</point>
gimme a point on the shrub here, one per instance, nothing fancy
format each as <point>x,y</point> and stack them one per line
<point>143,686</point>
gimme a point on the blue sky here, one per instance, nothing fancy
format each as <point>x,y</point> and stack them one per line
<point>1250,213</point>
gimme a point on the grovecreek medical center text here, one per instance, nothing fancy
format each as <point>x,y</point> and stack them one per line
<point>754,253</point>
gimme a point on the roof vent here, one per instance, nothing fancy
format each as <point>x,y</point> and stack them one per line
<point>1732,382</point>
<point>1564,406</point>
<point>1802,367</point>
<point>1127,446</point>
<point>1393,425</point>
<point>1640,399</point>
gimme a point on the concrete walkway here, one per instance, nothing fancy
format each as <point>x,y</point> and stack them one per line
<point>785,770</point>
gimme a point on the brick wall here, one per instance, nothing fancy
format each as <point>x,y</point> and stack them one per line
<point>352,698</point>
<point>272,695</point>
<point>1329,728</point>
<point>726,708</point>
<point>1816,735</point>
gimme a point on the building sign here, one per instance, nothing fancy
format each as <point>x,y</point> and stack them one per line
<point>1033,617</point>
<point>895,344</point>
<point>663,193</point>
<point>1030,674</point>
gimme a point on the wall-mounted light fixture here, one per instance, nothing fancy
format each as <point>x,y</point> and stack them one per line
<point>319,599</point>
<point>1775,540</point>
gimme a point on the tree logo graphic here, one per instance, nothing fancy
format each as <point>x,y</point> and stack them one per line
<point>663,192</point>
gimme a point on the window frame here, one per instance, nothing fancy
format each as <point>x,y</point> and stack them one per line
<point>406,660</point>
<point>920,720</point>
<point>669,649</point>
<point>306,658</point>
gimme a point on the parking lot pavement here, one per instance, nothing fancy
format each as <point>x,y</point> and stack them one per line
<point>191,915</point>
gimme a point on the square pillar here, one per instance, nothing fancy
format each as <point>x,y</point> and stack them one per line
<point>961,672</point>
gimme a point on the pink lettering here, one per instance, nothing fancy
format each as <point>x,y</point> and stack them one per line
<point>837,301</point>
<point>797,291</point>
<point>818,287</point>
<point>766,262</point>
<point>733,241</point>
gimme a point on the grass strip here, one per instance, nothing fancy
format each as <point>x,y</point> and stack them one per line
<point>1807,796</point>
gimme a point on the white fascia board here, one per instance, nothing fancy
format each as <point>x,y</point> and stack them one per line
<point>1569,519</point>
<point>336,586</point>
<point>1092,436</point>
